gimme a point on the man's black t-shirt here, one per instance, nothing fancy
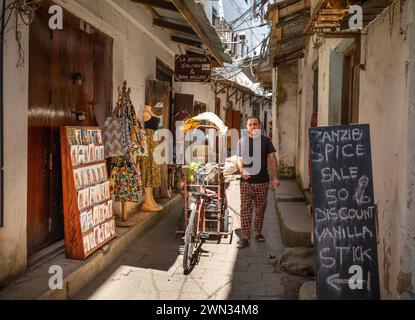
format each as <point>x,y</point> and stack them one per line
<point>254,152</point>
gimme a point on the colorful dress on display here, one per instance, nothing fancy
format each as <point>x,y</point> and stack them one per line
<point>126,183</point>
<point>150,171</point>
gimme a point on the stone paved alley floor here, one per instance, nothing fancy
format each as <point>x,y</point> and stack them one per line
<point>152,267</point>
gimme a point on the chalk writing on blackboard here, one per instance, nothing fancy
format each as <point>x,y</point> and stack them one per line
<point>344,213</point>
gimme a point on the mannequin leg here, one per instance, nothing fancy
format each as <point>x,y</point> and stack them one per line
<point>148,205</point>
<point>153,201</point>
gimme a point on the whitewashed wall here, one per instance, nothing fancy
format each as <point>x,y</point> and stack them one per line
<point>387,104</point>
<point>13,256</point>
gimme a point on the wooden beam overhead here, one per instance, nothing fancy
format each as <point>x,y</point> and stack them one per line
<point>233,93</point>
<point>187,41</point>
<point>183,7</point>
<point>220,89</point>
<point>162,4</point>
<point>173,26</point>
<point>255,100</point>
<point>241,97</point>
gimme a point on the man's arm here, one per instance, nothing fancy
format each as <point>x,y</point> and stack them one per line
<point>240,165</point>
<point>273,166</point>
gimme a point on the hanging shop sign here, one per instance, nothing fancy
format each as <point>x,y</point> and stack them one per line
<point>344,213</point>
<point>192,67</point>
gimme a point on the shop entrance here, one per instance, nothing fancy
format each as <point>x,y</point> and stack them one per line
<point>70,83</point>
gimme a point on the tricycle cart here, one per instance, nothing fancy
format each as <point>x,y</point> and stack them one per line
<point>206,213</point>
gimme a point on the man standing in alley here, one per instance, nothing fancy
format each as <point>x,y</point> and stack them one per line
<point>256,152</point>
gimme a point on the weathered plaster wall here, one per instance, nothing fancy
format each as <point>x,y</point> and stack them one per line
<point>13,235</point>
<point>286,118</point>
<point>387,104</point>
<point>305,108</point>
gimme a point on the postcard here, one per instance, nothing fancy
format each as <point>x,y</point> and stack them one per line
<point>96,235</point>
<point>91,153</point>
<point>101,234</point>
<point>98,192</point>
<point>83,221</point>
<point>96,215</point>
<point>104,174</point>
<point>89,220</point>
<point>85,137</point>
<point>83,154</point>
<point>105,212</point>
<point>107,190</point>
<point>77,178</point>
<point>86,244</point>
<point>83,198</point>
<point>72,136</point>
<point>91,136</point>
<point>112,227</point>
<point>89,176</point>
<point>84,177</point>
<point>92,242</point>
<point>107,230</point>
<point>97,173</point>
<point>78,137</point>
<point>80,200</point>
<point>99,153</point>
<point>74,155</point>
<point>92,196</point>
<point>102,191</point>
<point>110,209</point>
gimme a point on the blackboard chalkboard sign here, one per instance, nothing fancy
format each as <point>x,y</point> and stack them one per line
<point>344,213</point>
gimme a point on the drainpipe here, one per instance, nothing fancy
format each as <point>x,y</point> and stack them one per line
<point>275,132</point>
<point>3,16</point>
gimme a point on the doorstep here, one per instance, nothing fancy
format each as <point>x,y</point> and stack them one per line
<point>289,191</point>
<point>34,284</point>
<point>294,215</point>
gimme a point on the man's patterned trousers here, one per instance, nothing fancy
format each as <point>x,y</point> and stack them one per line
<point>253,196</point>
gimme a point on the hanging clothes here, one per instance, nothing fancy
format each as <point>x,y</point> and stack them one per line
<point>150,173</point>
<point>126,185</point>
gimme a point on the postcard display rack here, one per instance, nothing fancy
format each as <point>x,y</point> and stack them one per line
<point>88,208</point>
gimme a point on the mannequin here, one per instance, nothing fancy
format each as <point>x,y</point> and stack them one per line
<point>151,122</point>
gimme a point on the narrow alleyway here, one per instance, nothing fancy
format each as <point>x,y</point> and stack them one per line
<point>152,267</point>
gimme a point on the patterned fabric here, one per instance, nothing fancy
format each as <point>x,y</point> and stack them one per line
<point>111,134</point>
<point>253,196</point>
<point>133,136</point>
<point>150,171</point>
<point>126,183</point>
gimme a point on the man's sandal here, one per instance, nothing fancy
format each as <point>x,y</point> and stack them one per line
<point>243,244</point>
<point>260,238</point>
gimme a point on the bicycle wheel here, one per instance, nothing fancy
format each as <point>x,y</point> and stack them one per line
<point>189,241</point>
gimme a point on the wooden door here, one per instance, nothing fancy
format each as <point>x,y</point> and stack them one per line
<point>39,136</point>
<point>54,99</point>
<point>183,102</point>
